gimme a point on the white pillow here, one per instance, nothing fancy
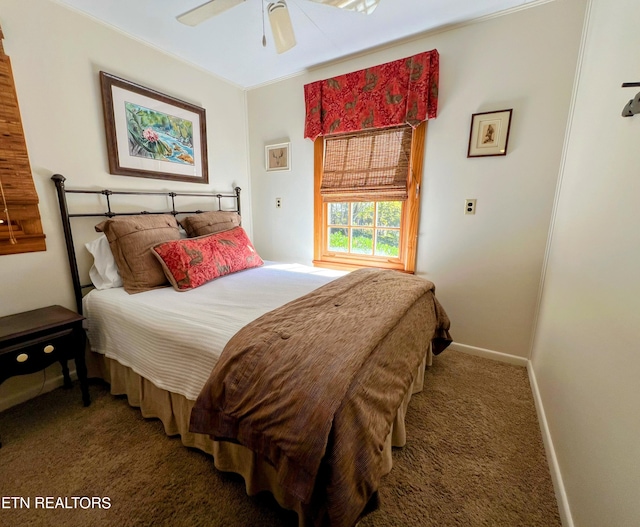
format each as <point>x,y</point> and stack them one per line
<point>104,271</point>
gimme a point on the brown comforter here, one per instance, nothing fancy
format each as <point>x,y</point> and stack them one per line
<point>314,385</point>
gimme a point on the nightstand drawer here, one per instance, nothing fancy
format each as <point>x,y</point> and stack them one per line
<point>35,354</point>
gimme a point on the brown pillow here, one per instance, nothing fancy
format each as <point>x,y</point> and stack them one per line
<point>210,222</point>
<point>131,239</point>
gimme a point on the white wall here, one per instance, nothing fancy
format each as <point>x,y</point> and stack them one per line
<point>486,267</point>
<point>56,56</point>
<point>585,356</point>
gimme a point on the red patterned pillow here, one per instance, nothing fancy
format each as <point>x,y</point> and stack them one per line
<point>191,262</point>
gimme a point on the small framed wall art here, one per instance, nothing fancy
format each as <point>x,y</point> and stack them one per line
<point>489,134</point>
<point>153,135</point>
<point>278,157</point>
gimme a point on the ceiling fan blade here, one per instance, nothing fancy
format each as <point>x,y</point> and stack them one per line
<point>205,11</point>
<point>361,6</point>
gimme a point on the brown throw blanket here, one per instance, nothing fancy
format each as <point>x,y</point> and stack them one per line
<point>320,379</point>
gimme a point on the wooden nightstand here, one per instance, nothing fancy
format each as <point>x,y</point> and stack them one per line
<point>33,340</point>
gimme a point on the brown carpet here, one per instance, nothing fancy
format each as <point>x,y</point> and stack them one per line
<point>474,457</point>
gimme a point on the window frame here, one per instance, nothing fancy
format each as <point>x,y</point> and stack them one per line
<point>409,219</point>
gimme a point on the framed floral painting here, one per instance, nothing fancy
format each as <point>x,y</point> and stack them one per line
<point>153,135</point>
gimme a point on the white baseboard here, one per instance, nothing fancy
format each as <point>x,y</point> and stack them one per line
<point>33,390</point>
<point>489,354</point>
<point>554,467</point>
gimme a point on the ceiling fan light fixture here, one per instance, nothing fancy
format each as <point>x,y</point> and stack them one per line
<point>281,27</point>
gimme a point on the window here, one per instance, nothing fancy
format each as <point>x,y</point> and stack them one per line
<point>367,198</point>
<point>365,228</point>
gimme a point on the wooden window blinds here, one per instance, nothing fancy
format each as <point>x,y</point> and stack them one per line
<point>367,166</point>
<point>20,225</point>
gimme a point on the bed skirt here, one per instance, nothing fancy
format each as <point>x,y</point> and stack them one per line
<point>174,411</point>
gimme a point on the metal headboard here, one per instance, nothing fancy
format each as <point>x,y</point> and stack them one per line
<point>59,180</point>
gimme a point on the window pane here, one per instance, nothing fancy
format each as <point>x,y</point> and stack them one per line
<point>338,213</point>
<point>362,241</point>
<point>389,213</point>
<point>387,243</point>
<point>362,213</point>
<point>338,240</point>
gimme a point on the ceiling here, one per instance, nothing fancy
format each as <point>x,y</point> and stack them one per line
<point>230,44</point>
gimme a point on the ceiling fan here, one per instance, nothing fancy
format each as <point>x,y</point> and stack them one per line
<point>279,19</point>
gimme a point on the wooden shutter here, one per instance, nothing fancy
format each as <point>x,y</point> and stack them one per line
<point>20,226</point>
<point>367,166</point>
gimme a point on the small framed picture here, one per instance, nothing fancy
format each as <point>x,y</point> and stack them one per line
<point>489,134</point>
<point>278,157</point>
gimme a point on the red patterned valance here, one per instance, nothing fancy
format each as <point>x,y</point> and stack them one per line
<point>404,91</point>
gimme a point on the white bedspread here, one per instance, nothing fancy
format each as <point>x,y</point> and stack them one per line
<point>175,338</point>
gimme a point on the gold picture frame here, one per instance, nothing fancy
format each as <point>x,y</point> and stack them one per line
<point>489,135</point>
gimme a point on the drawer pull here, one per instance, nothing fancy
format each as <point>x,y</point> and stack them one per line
<point>22,357</point>
<point>48,348</point>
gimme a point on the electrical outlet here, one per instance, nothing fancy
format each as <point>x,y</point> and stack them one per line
<point>278,203</point>
<point>470,206</point>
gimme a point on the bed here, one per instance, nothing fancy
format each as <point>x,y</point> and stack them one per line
<point>214,363</point>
